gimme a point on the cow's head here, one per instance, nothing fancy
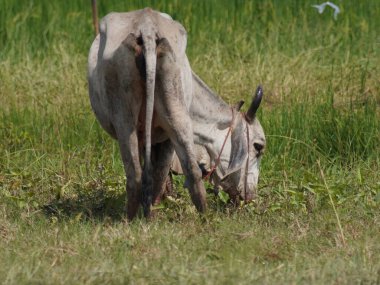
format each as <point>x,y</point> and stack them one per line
<point>247,147</point>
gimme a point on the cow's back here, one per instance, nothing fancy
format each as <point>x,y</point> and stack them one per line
<point>115,27</point>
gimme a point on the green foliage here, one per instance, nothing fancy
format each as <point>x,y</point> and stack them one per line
<point>62,181</point>
<point>34,28</point>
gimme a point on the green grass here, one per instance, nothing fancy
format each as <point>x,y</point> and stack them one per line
<point>62,183</point>
<point>240,247</point>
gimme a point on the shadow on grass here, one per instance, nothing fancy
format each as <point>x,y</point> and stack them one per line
<point>94,205</point>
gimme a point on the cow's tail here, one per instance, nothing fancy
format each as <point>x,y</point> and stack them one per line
<point>149,51</point>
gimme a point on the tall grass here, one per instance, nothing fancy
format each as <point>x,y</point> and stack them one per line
<point>35,28</point>
<point>320,75</point>
<point>62,181</point>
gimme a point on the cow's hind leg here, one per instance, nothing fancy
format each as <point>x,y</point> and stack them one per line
<point>176,120</point>
<point>129,149</point>
<point>128,144</point>
<point>123,89</point>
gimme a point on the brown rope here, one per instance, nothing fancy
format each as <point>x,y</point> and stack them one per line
<point>207,177</point>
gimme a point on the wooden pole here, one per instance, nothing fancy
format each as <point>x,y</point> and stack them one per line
<point>95,17</point>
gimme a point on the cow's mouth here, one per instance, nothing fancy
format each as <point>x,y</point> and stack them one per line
<point>247,197</point>
<point>236,196</point>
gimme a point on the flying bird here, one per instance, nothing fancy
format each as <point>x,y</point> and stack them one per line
<point>322,7</point>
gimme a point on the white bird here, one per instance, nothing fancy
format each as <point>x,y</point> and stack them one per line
<point>322,7</point>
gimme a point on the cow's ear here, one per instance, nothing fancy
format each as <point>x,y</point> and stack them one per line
<point>235,108</point>
<point>238,105</point>
<point>239,149</point>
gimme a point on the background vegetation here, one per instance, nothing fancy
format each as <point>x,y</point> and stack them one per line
<point>62,181</point>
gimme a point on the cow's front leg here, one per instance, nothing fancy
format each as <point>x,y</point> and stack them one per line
<point>179,129</point>
<point>176,121</point>
<point>185,151</point>
<point>162,155</point>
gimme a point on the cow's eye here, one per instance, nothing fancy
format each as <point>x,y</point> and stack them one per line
<point>258,147</point>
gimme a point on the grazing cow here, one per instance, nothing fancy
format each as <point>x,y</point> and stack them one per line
<point>142,88</point>
<point>236,166</point>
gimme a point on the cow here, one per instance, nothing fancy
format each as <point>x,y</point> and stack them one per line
<point>145,95</point>
<point>240,182</point>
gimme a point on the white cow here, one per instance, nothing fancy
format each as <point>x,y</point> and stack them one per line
<point>144,94</point>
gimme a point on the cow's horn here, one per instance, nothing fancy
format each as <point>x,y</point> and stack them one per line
<point>251,113</point>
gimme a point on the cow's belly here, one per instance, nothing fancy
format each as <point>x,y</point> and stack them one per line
<point>159,135</point>
<point>100,104</point>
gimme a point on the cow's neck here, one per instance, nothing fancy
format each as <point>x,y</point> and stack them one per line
<point>207,107</point>
<point>211,118</point>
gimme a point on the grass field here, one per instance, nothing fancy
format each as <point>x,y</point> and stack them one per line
<point>62,183</point>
